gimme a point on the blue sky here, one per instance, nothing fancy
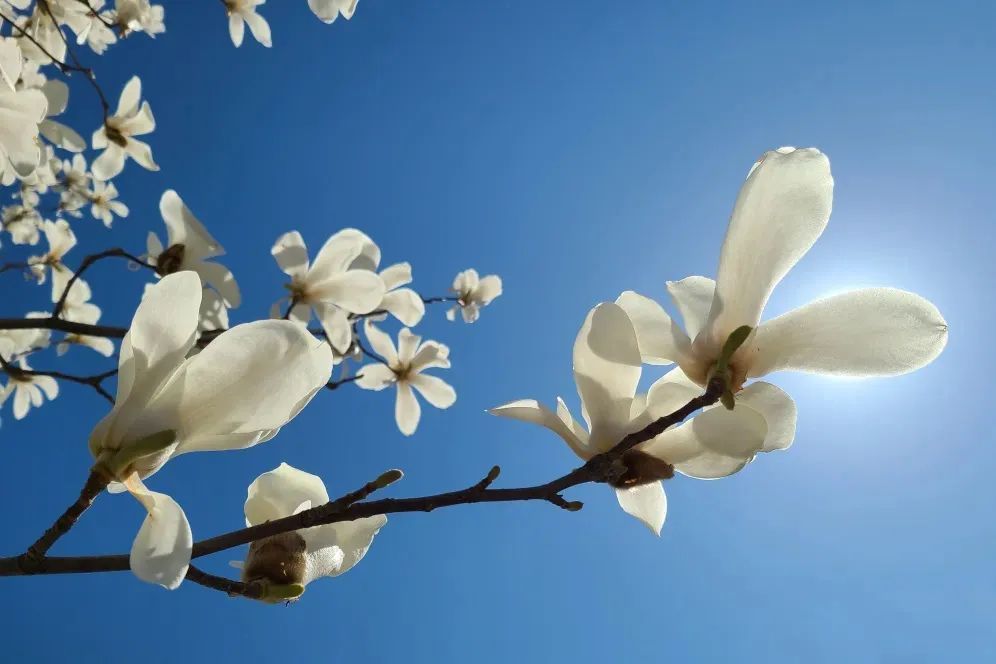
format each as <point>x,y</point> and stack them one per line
<point>577,149</point>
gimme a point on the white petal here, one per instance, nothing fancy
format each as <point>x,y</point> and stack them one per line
<point>404,304</point>
<point>253,378</point>
<point>291,254</point>
<point>396,275</point>
<point>356,291</point>
<point>778,410</point>
<point>381,342</point>
<point>277,493</point>
<point>661,340</point>
<point>782,209</point>
<point>646,502</point>
<point>260,29</point>
<point>141,152</point>
<point>222,280</point>
<point>693,296</point>
<point>408,343</point>
<point>335,257</point>
<point>530,410</point>
<point>488,289</point>
<point>436,391</point>
<point>186,229</point>
<point>351,539</point>
<point>131,94</point>
<point>110,163</point>
<point>335,323</point>
<point>607,368</point>
<point>868,332</point>
<point>406,410</point>
<point>236,29</point>
<point>375,376</point>
<point>161,550</point>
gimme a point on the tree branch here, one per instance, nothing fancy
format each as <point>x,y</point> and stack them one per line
<point>85,265</point>
<point>600,468</point>
<point>95,381</point>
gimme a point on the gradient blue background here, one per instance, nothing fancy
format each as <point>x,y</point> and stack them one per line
<point>578,149</point>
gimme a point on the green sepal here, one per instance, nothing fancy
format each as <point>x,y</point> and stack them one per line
<point>152,444</point>
<point>281,592</point>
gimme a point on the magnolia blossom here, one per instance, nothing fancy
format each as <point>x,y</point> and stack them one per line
<point>22,222</point>
<point>328,286</point>
<point>74,184</point>
<point>403,303</point>
<point>22,111</point>
<point>328,10</point>
<point>116,137</point>
<point>139,16</point>
<point>298,557</point>
<point>39,37</point>
<point>60,240</point>
<point>782,209</point>
<point>714,444</point>
<point>104,206</point>
<point>28,390</point>
<point>242,13</point>
<point>88,23</point>
<point>79,309</point>
<point>236,393</point>
<point>188,247</point>
<point>404,368</point>
<point>472,293</point>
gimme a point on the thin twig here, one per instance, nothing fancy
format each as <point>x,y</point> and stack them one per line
<point>77,65</point>
<point>95,381</point>
<point>233,588</point>
<point>61,325</point>
<point>599,468</point>
<point>335,384</point>
<point>85,265</point>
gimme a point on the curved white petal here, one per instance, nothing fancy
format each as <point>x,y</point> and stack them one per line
<point>222,280</point>
<point>131,94</point>
<point>693,297</point>
<point>381,342</point>
<point>406,410</point>
<point>236,29</point>
<point>408,344</point>
<point>291,254</point>
<point>375,376</point>
<point>396,275</point>
<point>161,551</point>
<point>781,210</point>
<point>647,503</point>
<point>260,28</point>
<point>335,323</point>
<point>661,340</point>
<point>404,304</point>
<point>278,493</point>
<point>356,291</point>
<point>335,548</point>
<point>562,424</point>
<point>436,391</point>
<point>607,368</point>
<point>868,332</point>
<point>186,229</point>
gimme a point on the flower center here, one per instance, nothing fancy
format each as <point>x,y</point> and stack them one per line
<point>170,260</point>
<point>278,559</point>
<point>114,134</point>
<point>641,468</point>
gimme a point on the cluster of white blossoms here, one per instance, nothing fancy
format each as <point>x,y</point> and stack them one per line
<point>242,13</point>
<point>782,209</point>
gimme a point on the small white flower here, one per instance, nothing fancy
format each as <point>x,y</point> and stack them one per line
<point>139,16</point>
<point>298,557</point>
<point>782,209</point>
<point>236,393</point>
<point>116,137</point>
<point>22,222</point>
<point>60,240</point>
<point>473,293</point>
<point>242,13</point>
<point>189,246</point>
<point>28,390</point>
<point>79,309</point>
<point>714,444</point>
<point>404,369</point>
<point>329,286</point>
<point>74,185</point>
<point>104,206</point>
<point>87,21</point>
<point>328,10</point>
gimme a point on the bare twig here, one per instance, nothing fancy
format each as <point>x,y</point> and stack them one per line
<point>95,381</point>
<point>252,590</point>
<point>85,265</point>
<point>77,65</point>
<point>336,384</point>
<point>600,468</point>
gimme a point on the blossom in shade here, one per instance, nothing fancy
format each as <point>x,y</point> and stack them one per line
<point>116,137</point>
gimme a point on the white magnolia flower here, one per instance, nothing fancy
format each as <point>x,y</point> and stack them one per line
<point>242,13</point>
<point>60,240</point>
<point>782,209</point>
<point>28,390</point>
<point>11,61</point>
<point>328,10</point>
<point>299,557</point>
<point>42,178</point>
<point>22,222</point>
<point>714,444</point>
<point>188,247</point>
<point>404,369</point>
<point>473,293</point>
<point>139,16</point>
<point>22,111</point>
<point>104,206</point>
<point>74,184</point>
<point>88,23</point>
<point>57,95</point>
<point>403,303</point>
<point>79,309</point>
<point>116,137</point>
<point>236,393</point>
<point>328,286</point>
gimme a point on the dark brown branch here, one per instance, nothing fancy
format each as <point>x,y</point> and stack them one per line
<point>61,325</point>
<point>600,468</point>
<point>13,266</point>
<point>77,65</point>
<point>336,384</point>
<point>35,554</point>
<point>251,590</point>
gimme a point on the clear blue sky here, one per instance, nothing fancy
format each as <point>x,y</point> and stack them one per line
<point>577,149</point>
